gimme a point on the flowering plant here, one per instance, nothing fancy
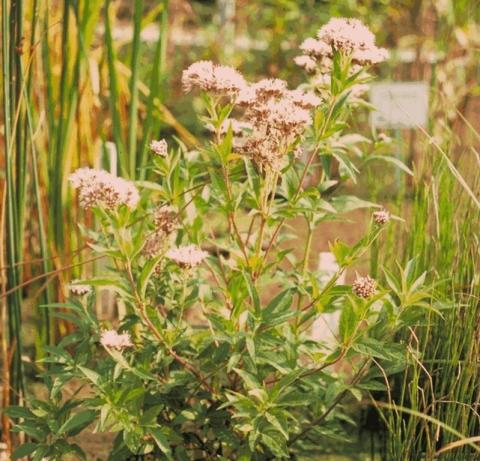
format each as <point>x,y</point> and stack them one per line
<point>213,357</point>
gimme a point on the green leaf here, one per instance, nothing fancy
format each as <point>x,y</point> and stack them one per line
<point>93,376</point>
<point>18,412</point>
<point>150,416</point>
<point>372,386</point>
<point>40,453</point>
<point>244,455</point>
<point>393,160</point>
<point>285,382</point>
<point>345,203</point>
<point>34,431</point>
<point>77,450</point>
<point>293,399</point>
<point>24,450</point>
<point>252,292</point>
<point>251,348</point>
<point>346,167</point>
<point>348,322</point>
<point>279,304</point>
<point>233,361</point>
<point>272,419</point>
<point>162,441</point>
<point>276,443</point>
<point>372,347</point>
<point>341,251</point>
<point>250,380</point>
<point>77,422</point>
<point>147,271</point>
<point>357,393</point>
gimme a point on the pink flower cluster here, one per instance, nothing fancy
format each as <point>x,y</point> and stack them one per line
<point>100,188</point>
<point>364,287</point>
<point>165,220</point>
<point>187,256</point>
<point>278,117</point>
<point>347,35</point>
<point>274,116</point>
<point>212,77</point>
<point>381,217</point>
<point>79,289</point>
<point>159,148</point>
<point>112,339</point>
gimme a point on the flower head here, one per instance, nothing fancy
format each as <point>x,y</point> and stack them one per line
<point>228,80</point>
<point>369,56</point>
<point>111,339</point>
<point>308,63</point>
<point>100,188</point>
<point>316,48</point>
<point>381,217</point>
<point>276,117</point>
<point>211,77</point>
<point>247,96</point>
<point>269,88</point>
<point>199,74</point>
<point>305,100</point>
<point>364,287</point>
<point>187,256</point>
<point>79,289</point>
<point>347,35</point>
<point>165,219</point>
<point>159,147</point>
<point>154,244</point>
<point>287,116</point>
<point>264,149</point>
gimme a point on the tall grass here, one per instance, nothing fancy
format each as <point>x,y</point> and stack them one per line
<point>13,191</point>
<point>442,380</point>
<point>59,70</point>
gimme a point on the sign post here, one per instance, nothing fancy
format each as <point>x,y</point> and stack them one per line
<point>399,105</point>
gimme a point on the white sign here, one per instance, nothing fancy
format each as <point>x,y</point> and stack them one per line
<point>399,105</point>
